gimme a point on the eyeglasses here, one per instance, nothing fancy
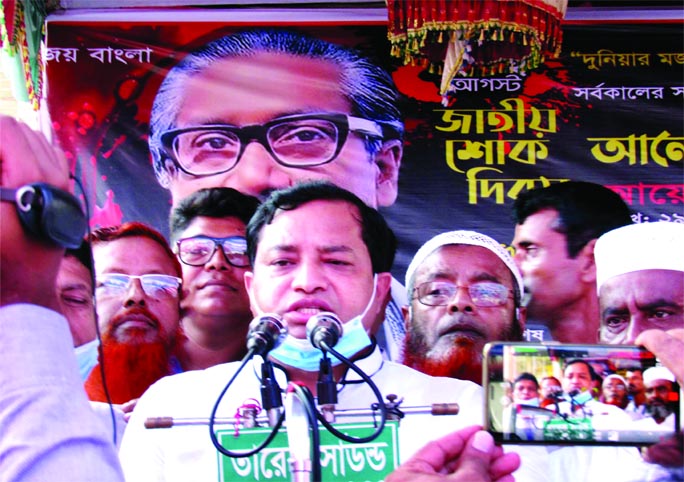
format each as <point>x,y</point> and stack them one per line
<point>157,286</point>
<point>483,293</point>
<point>198,250</point>
<point>293,141</point>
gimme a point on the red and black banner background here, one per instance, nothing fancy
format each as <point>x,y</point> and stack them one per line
<point>609,110</point>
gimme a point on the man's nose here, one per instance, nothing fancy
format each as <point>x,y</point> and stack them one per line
<point>637,324</point>
<point>218,260</point>
<point>258,173</point>
<point>308,278</point>
<point>461,300</point>
<point>135,295</point>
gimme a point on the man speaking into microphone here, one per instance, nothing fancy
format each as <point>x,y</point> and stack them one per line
<point>315,248</point>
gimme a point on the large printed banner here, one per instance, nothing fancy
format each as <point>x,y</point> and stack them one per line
<point>610,110</point>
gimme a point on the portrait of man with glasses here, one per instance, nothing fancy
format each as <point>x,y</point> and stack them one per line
<point>137,292</point>
<point>260,110</point>
<point>465,291</point>
<point>208,236</point>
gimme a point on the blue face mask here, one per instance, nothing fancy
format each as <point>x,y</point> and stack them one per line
<point>301,354</point>
<point>87,356</point>
<point>532,402</point>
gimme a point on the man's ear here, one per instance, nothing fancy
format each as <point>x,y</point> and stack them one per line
<point>165,170</point>
<point>388,160</point>
<point>406,313</point>
<point>521,314</point>
<point>383,289</point>
<point>587,264</point>
<point>249,277</point>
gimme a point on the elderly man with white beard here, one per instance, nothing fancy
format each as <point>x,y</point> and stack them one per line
<point>465,291</point>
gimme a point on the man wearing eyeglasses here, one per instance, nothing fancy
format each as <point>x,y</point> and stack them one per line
<point>137,286</point>
<point>208,236</point>
<point>262,110</point>
<point>465,291</point>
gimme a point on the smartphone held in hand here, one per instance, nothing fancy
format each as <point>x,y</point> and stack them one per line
<point>561,394</point>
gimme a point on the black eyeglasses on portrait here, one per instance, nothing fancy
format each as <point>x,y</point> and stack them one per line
<point>305,140</point>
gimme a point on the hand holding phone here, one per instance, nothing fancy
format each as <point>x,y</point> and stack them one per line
<point>576,394</point>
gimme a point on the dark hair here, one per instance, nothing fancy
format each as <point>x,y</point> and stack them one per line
<point>551,378</point>
<point>376,234</point>
<point>368,87</point>
<point>134,229</point>
<point>526,376</point>
<point>82,254</point>
<point>592,372</point>
<point>214,202</point>
<point>585,211</point>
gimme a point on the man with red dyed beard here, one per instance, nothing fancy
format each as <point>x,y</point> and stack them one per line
<point>614,391</point>
<point>465,291</point>
<point>137,291</point>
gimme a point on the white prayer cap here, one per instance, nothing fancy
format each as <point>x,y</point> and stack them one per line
<point>613,375</point>
<point>657,373</point>
<point>470,238</point>
<point>638,247</point>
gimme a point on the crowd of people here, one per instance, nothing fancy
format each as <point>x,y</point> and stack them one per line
<point>274,213</point>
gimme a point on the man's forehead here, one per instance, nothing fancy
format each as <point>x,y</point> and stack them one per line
<point>213,226</point>
<point>468,260</point>
<point>577,367</point>
<point>659,382</point>
<point>329,220</point>
<point>242,91</point>
<point>145,255</point>
<point>640,278</point>
<point>644,286</point>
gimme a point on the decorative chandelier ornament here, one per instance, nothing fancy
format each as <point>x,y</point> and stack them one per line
<point>475,38</point>
<point>22,31</point>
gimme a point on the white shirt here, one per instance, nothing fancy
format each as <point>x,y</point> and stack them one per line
<point>185,453</point>
<point>47,428</point>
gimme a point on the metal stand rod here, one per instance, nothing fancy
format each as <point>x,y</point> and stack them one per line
<point>434,409</point>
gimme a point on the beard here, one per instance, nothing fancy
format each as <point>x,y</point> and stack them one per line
<point>620,402</point>
<point>658,412</point>
<point>130,366</point>
<point>461,360</point>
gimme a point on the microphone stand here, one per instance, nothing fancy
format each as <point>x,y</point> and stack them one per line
<point>380,405</point>
<point>212,418</point>
<point>265,333</point>
<point>305,454</point>
<point>394,413</point>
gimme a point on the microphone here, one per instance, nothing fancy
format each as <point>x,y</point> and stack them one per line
<point>265,333</point>
<point>324,327</point>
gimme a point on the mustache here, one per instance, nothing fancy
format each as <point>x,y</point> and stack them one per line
<point>120,318</point>
<point>459,321</point>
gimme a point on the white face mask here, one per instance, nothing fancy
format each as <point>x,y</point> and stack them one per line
<point>87,356</point>
<point>300,353</point>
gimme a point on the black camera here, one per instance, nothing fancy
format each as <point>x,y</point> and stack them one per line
<point>49,213</point>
